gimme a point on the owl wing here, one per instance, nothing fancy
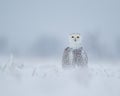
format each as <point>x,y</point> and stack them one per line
<point>65,58</point>
<point>84,57</point>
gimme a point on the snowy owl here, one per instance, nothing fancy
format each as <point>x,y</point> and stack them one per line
<point>74,55</point>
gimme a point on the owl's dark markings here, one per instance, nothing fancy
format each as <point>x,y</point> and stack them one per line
<point>79,57</point>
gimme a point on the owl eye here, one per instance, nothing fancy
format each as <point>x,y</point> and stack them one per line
<point>78,37</point>
<point>72,36</point>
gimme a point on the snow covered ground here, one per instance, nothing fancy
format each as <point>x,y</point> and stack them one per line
<point>34,77</point>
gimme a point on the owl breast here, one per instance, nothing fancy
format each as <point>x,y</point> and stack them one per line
<point>74,57</point>
<point>71,56</point>
<point>77,57</point>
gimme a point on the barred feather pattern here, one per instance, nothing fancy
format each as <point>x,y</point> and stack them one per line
<point>79,57</point>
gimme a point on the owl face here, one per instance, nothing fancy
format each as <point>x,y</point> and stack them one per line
<point>74,37</point>
<point>74,40</point>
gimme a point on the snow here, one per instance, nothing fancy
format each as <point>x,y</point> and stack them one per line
<point>35,77</point>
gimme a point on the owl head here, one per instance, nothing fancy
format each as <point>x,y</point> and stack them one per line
<point>75,40</point>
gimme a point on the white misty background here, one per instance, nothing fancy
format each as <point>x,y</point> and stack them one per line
<point>33,35</point>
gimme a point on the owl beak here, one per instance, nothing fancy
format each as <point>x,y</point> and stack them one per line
<point>75,39</point>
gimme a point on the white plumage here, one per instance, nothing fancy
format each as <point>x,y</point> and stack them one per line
<point>74,55</point>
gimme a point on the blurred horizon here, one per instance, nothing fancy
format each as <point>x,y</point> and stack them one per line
<point>41,28</point>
